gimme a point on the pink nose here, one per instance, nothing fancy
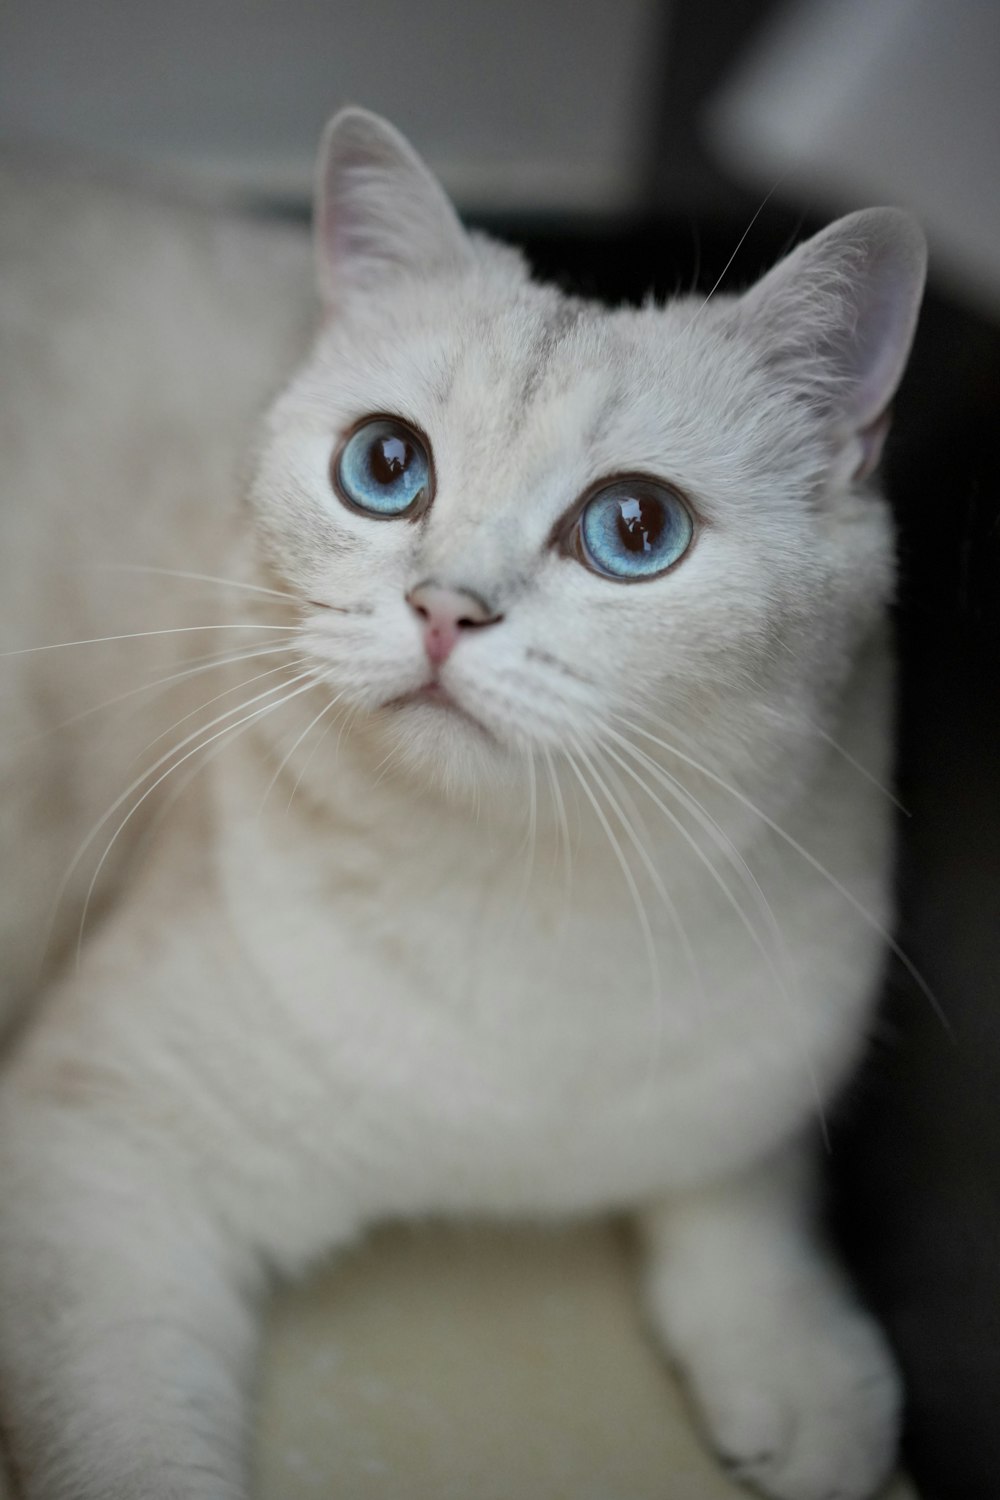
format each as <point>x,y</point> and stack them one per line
<point>445,613</point>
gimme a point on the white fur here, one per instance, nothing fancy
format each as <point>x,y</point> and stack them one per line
<point>612,946</point>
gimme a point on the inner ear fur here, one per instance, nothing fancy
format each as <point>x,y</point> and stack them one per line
<point>836,317</point>
<point>380,212</point>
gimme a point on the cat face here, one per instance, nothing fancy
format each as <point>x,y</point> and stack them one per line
<point>518,521</point>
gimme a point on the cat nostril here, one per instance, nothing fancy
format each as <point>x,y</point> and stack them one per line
<point>447,608</point>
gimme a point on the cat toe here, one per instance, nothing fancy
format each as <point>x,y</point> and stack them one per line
<point>818,1422</point>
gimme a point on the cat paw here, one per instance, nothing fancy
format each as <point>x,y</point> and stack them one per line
<point>809,1414</point>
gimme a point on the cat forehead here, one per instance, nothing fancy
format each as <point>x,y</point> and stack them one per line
<point>531,376</point>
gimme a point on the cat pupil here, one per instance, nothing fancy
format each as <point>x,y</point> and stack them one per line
<point>639,524</point>
<point>389,458</point>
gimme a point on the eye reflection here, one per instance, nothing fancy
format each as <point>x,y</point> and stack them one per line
<point>634,529</point>
<point>383,470</point>
<point>389,458</point>
<point>639,525</point>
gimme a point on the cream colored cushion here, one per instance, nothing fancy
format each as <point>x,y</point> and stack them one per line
<point>476,1365</point>
<point>460,1364</point>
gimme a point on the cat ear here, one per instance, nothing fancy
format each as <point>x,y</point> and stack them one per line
<point>837,316</point>
<point>379,210</point>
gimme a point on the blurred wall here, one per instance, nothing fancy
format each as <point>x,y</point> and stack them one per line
<point>845,102</point>
<point>525,104</point>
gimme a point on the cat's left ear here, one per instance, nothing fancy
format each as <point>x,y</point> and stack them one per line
<point>836,317</point>
<point>380,212</point>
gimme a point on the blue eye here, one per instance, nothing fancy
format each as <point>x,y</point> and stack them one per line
<point>383,469</point>
<point>634,529</point>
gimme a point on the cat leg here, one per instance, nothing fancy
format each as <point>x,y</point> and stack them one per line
<point>794,1382</point>
<point>127,1319</point>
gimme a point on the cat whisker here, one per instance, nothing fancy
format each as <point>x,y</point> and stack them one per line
<point>346,722</point>
<point>180,787</point>
<point>635,821</point>
<point>810,859</point>
<point>532,810</point>
<point>707,823</point>
<point>381,770</point>
<point>232,583</point>
<point>739,244</point>
<point>477,799</point>
<point>655,978</point>
<point>212,662</point>
<point>136,635</point>
<point>312,753</point>
<point>804,725</point>
<point>780,978</point>
<point>623,864</point>
<point>673,913</point>
<point>215,658</point>
<point>134,786</point>
<point>267,708</point>
<point>527,847</point>
<point>291,751</point>
<point>226,692</point>
<point>857,766</point>
<point>562,824</point>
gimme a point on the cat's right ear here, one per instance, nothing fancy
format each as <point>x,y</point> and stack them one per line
<point>836,319</point>
<point>380,212</point>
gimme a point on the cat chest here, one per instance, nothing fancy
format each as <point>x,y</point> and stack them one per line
<point>518,1071</point>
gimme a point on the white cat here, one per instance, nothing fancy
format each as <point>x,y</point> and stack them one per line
<point>541,878</point>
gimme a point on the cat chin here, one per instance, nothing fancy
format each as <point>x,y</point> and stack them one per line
<point>442,706</point>
<point>437,740</point>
